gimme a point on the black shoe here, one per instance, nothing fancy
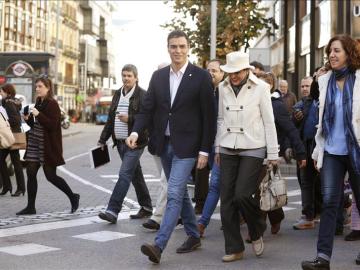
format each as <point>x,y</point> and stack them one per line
<point>152,251</point>
<point>141,214</point>
<point>108,217</point>
<point>18,193</point>
<point>317,264</point>
<point>198,209</point>
<point>27,211</point>
<point>4,191</point>
<point>339,231</point>
<point>354,235</point>
<point>189,245</point>
<point>151,225</point>
<point>357,260</point>
<point>75,202</point>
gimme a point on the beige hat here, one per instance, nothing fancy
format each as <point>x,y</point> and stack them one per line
<point>236,61</point>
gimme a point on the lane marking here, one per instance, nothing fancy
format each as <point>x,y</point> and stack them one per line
<point>49,226</point>
<point>27,249</point>
<point>103,236</point>
<point>87,183</point>
<point>77,156</point>
<point>295,192</point>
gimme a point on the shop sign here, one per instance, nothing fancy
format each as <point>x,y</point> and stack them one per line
<point>19,69</point>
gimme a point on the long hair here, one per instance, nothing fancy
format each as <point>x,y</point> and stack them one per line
<point>9,89</point>
<point>48,84</point>
<point>352,49</point>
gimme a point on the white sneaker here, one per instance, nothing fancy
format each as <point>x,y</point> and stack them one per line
<point>258,246</point>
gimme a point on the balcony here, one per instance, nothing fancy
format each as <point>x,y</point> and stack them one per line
<point>70,52</point>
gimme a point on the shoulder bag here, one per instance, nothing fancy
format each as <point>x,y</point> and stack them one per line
<point>273,190</point>
<point>6,136</point>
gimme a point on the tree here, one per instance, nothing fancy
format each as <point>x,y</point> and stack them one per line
<point>238,21</point>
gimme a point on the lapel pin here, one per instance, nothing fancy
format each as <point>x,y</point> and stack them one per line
<point>190,75</point>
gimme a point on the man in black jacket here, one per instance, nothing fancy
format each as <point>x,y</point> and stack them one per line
<point>125,105</point>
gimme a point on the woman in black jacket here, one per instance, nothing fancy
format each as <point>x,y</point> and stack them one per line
<point>12,108</point>
<point>286,132</point>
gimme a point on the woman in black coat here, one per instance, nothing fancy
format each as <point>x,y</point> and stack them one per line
<point>44,146</point>
<point>286,133</point>
<point>12,108</point>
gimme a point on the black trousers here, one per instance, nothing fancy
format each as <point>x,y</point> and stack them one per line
<point>19,174</point>
<point>201,185</point>
<point>239,187</point>
<point>32,169</point>
<point>310,185</point>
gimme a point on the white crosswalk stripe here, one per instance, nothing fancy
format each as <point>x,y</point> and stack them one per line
<point>27,249</point>
<point>103,236</point>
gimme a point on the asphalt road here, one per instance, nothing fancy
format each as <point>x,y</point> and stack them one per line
<point>55,239</point>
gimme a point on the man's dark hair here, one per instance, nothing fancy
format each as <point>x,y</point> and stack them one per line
<point>130,68</point>
<point>258,65</point>
<point>177,34</point>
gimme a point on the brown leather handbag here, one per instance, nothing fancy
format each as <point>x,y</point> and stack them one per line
<point>20,141</point>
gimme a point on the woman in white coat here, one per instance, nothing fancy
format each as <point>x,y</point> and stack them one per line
<point>337,139</point>
<point>246,134</point>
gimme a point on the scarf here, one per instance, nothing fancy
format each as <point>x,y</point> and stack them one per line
<point>329,113</point>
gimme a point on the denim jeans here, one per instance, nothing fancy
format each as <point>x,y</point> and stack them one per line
<point>177,171</point>
<point>130,171</point>
<point>212,197</point>
<point>332,184</point>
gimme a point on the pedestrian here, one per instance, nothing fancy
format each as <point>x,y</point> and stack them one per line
<point>286,132</point>
<point>337,148</point>
<point>306,118</point>
<point>153,223</point>
<point>354,235</point>
<point>246,134</point>
<point>44,146</point>
<point>179,107</point>
<point>213,195</point>
<point>288,97</point>
<point>124,106</point>
<point>258,67</point>
<point>12,107</point>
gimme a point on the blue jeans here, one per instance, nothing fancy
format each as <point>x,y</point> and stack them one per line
<point>212,197</point>
<point>177,171</point>
<point>129,166</point>
<point>332,184</point>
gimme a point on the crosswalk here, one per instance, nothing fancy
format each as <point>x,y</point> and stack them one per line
<point>100,236</point>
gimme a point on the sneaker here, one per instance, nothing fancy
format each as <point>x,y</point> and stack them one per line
<point>108,217</point>
<point>190,244</point>
<point>304,224</point>
<point>258,247</point>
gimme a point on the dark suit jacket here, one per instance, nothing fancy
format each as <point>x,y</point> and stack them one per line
<point>191,116</point>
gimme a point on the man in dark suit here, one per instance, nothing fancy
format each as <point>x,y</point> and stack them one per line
<point>179,109</point>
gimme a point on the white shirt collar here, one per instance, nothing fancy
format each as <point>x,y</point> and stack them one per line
<point>181,70</point>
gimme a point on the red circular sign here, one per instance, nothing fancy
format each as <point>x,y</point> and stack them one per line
<point>2,79</point>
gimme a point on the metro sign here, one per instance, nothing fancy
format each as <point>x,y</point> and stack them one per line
<point>19,69</point>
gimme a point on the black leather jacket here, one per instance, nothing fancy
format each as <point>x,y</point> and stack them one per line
<point>134,107</point>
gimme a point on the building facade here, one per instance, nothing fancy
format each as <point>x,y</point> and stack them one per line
<point>64,44</point>
<point>97,64</point>
<point>300,33</point>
